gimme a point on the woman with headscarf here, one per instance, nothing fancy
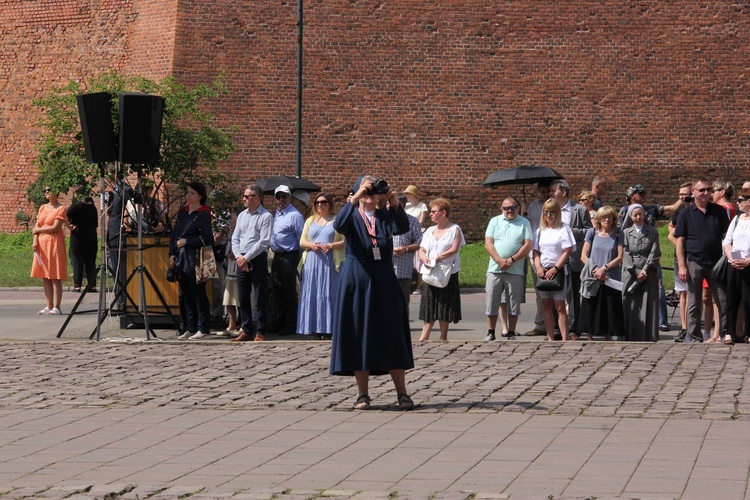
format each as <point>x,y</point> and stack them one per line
<point>640,275</point>
<point>192,231</point>
<point>370,322</point>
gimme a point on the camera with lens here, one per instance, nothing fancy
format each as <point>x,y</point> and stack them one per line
<point>379,186</point>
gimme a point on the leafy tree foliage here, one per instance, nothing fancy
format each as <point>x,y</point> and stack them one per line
<point>191,146</point>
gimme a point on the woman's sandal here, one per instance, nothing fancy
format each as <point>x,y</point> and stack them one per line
<point>405,402</point>
<point>363,402</point>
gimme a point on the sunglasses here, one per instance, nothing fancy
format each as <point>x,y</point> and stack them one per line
<point>47,190</point>
<point>321,202</point>
<point>705,190</point>
<point>249,195</point>
<point>511,208</point>
<point>281,196</point>
<point>549,214</point>
<point>741,199</point>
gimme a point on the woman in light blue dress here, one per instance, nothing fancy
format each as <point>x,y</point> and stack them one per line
<point>323,253</point>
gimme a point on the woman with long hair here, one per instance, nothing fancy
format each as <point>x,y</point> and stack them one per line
<point>50,263</point>
<point>553,244</point>
<point>192,231</point>
<point>323,252</point>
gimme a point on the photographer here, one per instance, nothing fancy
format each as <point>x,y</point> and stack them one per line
<point>370,320</point>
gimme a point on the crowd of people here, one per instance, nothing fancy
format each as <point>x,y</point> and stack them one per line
<point>347,275</point>
<point>597,270</point>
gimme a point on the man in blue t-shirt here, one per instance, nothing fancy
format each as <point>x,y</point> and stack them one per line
<point>508,240</point>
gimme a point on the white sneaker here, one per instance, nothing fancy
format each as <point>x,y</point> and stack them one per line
<point>44,311</point>
<point>199,335</point>
<point>185,336</point>
<point>54,312</point>
<point>226,333</point>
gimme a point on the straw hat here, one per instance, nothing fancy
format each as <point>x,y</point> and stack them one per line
<point>412,189</point>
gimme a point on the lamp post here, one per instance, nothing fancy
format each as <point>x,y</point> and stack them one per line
<point>298,159</point>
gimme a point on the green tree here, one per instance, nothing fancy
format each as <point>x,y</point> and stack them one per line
<point>191,146</point>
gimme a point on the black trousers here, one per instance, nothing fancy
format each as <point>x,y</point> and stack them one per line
<point>252,287</point>
<point>738,293</point>
<point>83,257</point>
<point>284,279</point>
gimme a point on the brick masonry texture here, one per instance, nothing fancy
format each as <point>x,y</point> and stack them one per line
<point>434,94</point>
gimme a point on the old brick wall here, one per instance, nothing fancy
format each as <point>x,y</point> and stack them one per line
<point>46,43</point>
<point>439,94</point>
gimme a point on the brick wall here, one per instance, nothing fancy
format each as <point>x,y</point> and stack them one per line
<point>436,94</point>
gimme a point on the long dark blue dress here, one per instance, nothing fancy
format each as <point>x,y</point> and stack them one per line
<point>370,320</point>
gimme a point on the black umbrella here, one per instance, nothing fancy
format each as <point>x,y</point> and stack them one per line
<point>294,183</point>
<point>524,174</point>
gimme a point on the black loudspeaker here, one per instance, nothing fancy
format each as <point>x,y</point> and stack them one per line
<point>140,128</point>
<point>95,112</point>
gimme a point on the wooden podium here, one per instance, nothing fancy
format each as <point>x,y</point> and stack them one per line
<point>156,262</point>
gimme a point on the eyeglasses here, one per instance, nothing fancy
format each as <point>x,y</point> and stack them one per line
<point>704,190</point>
<point>435,211</point>
<point>510,209</point>
<point>281,196</point>
<point>740,200</point>
<point>684,195</point>
<point>321,202</point>
<point>249,195</point>
<point>549,214</point>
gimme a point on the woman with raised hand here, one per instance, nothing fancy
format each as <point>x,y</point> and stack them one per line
<point>370,322</point>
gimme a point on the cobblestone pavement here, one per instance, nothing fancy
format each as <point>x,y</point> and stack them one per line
<point>265,420</point>
<point>571,379</point>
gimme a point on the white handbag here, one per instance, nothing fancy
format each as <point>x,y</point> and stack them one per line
<point>438,275</point>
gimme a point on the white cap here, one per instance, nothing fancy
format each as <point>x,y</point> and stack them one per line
<point>283,189</point>
<point>302,196</point>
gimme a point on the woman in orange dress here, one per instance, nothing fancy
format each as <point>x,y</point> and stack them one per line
<point>50,262</point>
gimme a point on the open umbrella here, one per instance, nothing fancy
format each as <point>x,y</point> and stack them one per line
<point>523,174</point>
<point>294,183</point>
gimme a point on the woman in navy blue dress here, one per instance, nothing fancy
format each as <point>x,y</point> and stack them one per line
<point>370,321</point>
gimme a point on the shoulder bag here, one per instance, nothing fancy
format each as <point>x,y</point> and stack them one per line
<point>719,270</point>
<point>438,275</point>
<point>205,264</point>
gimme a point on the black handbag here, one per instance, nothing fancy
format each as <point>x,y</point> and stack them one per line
<point>172,274</point>
<point>555,284</point>
<point>719,270</point>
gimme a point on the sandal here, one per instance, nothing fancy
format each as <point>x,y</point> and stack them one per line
<point>405,402</point>
<point>363,402</point>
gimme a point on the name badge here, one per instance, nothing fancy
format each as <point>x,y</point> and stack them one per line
<point>376,253</point>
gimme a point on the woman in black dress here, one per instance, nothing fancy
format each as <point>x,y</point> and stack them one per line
<point>370,321</point>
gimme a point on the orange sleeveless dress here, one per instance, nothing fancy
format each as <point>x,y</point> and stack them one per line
<point>50,261</point>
